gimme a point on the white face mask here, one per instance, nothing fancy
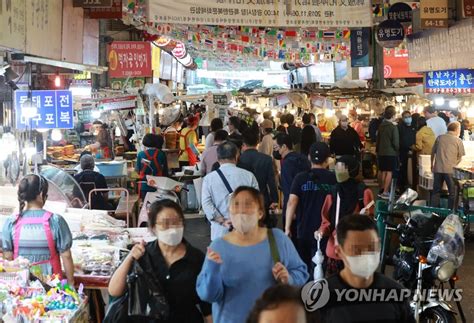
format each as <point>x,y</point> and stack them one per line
<point>244,223</point>
<point>364,265</point>
<point>171,237</point>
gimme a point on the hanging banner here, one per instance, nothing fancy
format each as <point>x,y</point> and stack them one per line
<point>316,13</point>
<point>114,12</point>
<point>450,81</point>
<point>54,110</point>
<point>468,8</point>
<point>395,63</point>
<point>401,12</point>
<point>360,47</point>
<point>390,33</point>
<point>118,103</point>
<point>434,13</point>
<point>129,58</point>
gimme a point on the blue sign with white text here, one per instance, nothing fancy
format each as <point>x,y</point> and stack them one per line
<point>54,110</point>
<point>450,81</point>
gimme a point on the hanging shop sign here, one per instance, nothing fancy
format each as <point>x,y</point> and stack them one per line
<point>54,110</point>
<point>468,8</point>
<point>434,13</point>
<point>118,84</point>
<point>316,13</point>
<point>360,47</point>
<point>92,3</point>
<point>390,33</point>
<point>401,12</point>
<point>113,12</point>
<point>119,103</point>
<point>220,99</point>
<point>179,51</point>
<point>450,81</point>
<point>128,58</point>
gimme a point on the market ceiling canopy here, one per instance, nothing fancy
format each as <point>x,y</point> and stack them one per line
<point>267,13</point>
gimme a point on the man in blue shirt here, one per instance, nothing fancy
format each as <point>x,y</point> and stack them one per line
<point>218,186</point>
<point>307,195</point>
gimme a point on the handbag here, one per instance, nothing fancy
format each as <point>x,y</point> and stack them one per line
<point>117,311</point>
<point>146,297</point>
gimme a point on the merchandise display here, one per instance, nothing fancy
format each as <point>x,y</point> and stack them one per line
<point>31,300</point>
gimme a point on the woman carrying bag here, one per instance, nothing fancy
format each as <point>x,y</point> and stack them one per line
<point>354,197</point>
<point>173,266</point>
<point>240,266</point>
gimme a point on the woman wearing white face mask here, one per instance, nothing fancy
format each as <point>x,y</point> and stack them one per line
<point>175,262</point>
<point>240,266</point>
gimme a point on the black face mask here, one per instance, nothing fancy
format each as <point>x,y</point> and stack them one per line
<point>277,155</point>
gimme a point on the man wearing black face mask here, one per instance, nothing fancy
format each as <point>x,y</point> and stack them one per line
<point>344,139</point>
<point>292,163</point>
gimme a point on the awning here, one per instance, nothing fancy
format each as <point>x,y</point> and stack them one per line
<point>72,66</point>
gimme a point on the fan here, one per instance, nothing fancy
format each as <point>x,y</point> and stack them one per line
<point>160,92</point>
<point>170,115</point>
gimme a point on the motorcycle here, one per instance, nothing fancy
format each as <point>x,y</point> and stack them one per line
<point>416,269</point>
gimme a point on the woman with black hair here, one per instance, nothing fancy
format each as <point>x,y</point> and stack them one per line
<point>103,147</point>
<point>151,161</point>
<point>172,261</point>
<point>353,195</point>
<point>40,236</point>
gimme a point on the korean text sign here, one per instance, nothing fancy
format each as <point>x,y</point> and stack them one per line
<point>267,13</point>
<point>450,81</point>
<point>434,13</point>
<point>54,110</point>
<point>129,58</point>
<point>360,47</point>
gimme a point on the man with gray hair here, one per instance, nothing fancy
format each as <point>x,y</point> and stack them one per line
<point>344,139</point>
<point>89,179</point>
<point>218,186</point>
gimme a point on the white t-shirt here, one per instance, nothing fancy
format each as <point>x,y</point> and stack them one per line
<point>438,125</point>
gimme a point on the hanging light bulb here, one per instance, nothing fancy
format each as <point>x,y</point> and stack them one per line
<point>439,101</point>
<point>454,103</point>
<point>96,114</point>
<point>57,80</point>
<point>56,135</point>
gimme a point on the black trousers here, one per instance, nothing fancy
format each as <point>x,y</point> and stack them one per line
<point>403,176</point>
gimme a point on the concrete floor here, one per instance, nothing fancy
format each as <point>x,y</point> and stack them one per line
<point>197,233</point>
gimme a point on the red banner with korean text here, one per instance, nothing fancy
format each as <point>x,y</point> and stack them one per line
<point>129,58</point>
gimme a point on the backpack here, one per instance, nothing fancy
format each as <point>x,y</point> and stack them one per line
<point>361,187</point>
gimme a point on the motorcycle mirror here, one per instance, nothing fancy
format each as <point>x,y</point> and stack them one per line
<point>407,198</point>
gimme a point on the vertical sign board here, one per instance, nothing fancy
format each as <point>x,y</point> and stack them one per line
<point>401,12</point>
<point>55,110</point>
<point>450,81</point>
<point>129,58</point>
<point>434,13</point>
<point>360,47</point>
<point>468,8</point>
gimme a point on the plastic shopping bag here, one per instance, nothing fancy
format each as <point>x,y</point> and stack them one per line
<point>449,242</point>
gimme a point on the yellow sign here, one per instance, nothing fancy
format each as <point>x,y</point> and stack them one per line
<point>155,60</point>
<point>434,14</point>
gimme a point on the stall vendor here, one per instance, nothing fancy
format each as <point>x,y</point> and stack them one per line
<point>151,161</point>
<point>188,142</point>
<point>103,147</point>
<point>40,236</point>
<point>172,134</point>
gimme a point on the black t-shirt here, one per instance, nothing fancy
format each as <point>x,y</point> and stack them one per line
<point>354,312</point>
<point>311,188</point>
<point>179,283</point>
